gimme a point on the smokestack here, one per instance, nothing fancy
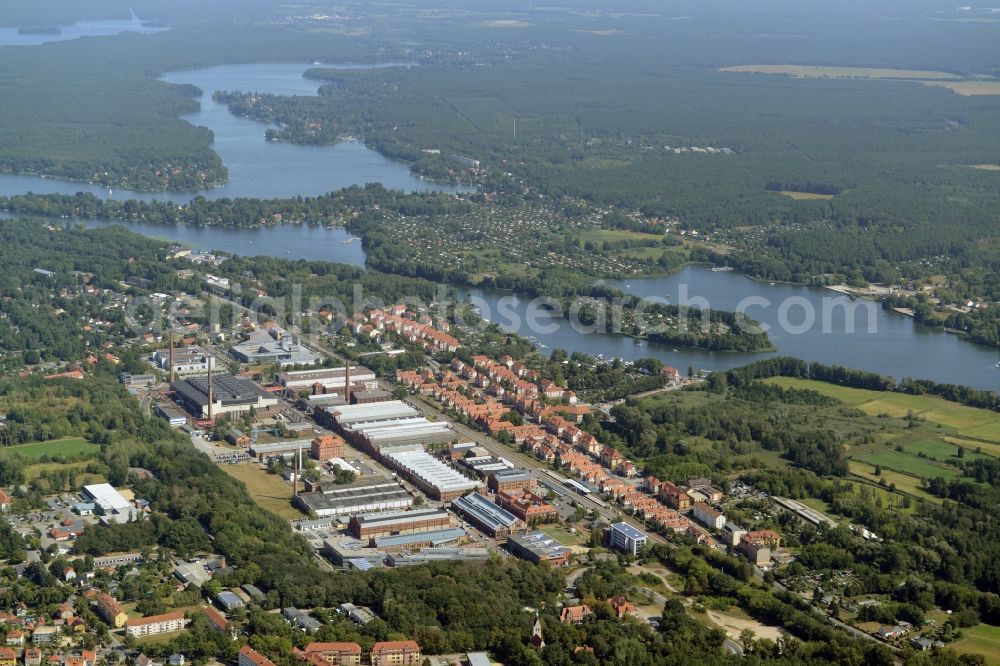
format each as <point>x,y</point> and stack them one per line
<point>295,473</point>
<point>170,356</point>
<point>347,382</point>
<point>211,397</point>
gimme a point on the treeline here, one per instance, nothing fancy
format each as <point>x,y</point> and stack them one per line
<point>328,209</point>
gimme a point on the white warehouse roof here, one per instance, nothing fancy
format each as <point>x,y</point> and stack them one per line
<point>432,471</point>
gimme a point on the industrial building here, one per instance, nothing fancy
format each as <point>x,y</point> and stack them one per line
<point>274,347</point>
<point>173,416</point>
<point>379,425</point>
<point>538,547</point>
<point>230,395</point>
<point>487,516</point>
<point>391,409</point>
<point>430,474</point>
<point>429,555</point>
<point>483,466</point>
<point>326,447</point>
<point>511,479</point>
<point>328,380</point>
<point>624,537</point>
<point>109,503</point>
<point>365,497</point>
<point>371,525</point>
<point>186,361</point>
<point>349,552</point>
<point>105,498</point>
<point>414,432</point>
<point>417,540</point>
<point>287,449</point>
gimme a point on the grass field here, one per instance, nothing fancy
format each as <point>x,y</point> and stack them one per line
<point>903,482</point>
<point>562,536</point>
<point>820,72</point>
<point>983,639</point>
<point>68,446</point>
<point>613,235</point>
<point>37,469</point>
<point>964,421</point>
<point>805,196</point>
<point>909,464</point>
<point>269,490</point>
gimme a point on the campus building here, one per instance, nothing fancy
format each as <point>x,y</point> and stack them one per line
<point>624,537</point>
<point>538,547</point>
<point>269,347</point>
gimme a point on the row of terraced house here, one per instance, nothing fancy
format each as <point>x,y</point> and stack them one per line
<point>414,328</point>
<point>486,390</point>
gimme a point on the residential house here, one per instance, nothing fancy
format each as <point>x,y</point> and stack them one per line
<point>621,605</point>
<point>574,614</point>
<point>250,657</point>
<point>396,653</point>
<point>338,654</point>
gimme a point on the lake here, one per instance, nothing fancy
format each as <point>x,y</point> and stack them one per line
<point>894,345</point>
<point>10,36</point>
<point>290,241</point>
<point>258,168</point>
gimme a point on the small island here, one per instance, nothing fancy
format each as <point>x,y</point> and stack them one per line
<point>39,30</point>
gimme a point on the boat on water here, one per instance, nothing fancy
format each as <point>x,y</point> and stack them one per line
<point>348,241</point>
<point>720,269</point>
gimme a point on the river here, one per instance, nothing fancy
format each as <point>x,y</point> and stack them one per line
<point>896,346</point>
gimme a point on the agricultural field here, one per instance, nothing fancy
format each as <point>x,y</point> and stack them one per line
<point>821,72</point>
<point>67,446</point>
<point>975,445</point>
<point>968,88</point>
<point>805,196</point>
<point>269,490</point>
